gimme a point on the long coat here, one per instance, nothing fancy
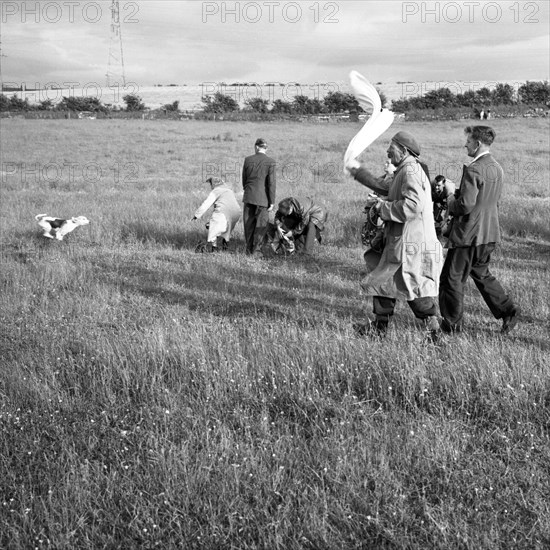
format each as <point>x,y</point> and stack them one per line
<point>224,202</point>
<point>258,178</point>
<point>412,259</point>
<point>475,208</point>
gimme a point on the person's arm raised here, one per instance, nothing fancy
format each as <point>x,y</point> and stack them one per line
<point>379,184</point>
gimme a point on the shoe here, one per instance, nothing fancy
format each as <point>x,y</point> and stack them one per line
<point>200,248</point>
<point>511,320</point>
<point>371,328</point>
<point>210,248</point>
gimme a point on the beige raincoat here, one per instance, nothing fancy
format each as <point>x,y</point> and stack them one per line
<point>411,262</point>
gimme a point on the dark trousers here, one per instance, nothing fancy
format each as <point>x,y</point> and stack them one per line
<point>255,220</point>
<point>461,263</point>
<point>308,238</point>
<point>422,308</point>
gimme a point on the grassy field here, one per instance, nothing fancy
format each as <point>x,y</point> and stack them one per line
<point>151,397</point>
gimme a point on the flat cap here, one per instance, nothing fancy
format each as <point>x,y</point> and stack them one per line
<point>408,141</point>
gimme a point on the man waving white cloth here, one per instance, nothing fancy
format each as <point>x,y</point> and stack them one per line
<point>412,258</point>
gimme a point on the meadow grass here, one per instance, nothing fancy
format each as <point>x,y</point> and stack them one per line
<point>152,397</point>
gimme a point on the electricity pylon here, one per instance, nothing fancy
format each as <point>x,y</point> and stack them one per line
<point>115,71</point>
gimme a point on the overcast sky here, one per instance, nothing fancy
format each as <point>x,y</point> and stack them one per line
<point>194,41</point>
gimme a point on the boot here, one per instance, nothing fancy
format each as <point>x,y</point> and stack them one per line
<point>511,320</point>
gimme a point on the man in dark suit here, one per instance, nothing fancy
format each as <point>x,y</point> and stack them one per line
<point>474,234</point>
<point>259,195</point>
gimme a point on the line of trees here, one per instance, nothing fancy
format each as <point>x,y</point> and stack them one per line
<point>333,102</point>
<point>15,103</point>
<point>133,103</point>
<point>530,93</point>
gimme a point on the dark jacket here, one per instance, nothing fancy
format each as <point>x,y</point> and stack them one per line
<point>259,180</point>
<point>475,205</point>
<point>301,217</point>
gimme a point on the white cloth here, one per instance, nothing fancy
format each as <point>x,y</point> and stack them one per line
<point>376,125</point>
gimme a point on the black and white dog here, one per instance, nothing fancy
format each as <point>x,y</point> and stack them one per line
<point>58,226</point>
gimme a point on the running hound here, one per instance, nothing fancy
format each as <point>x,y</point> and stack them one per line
<point>57,228</point>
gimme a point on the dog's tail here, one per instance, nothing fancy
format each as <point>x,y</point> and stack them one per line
<point>37,218</point>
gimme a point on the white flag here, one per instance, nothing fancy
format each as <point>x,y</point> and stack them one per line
<point>376,125</point>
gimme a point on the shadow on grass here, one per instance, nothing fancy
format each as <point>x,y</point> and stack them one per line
<point>526,249</point>
<point>28,246</point>
<point>148,232</point>
<point>348,232</point>
<point>525,227</point>
<point>541,343</point>
<point>526,323</point>
<point>323,266</point>
<point>241,292</point>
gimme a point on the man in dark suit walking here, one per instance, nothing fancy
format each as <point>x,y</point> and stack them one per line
<point>259,195</point>
<point>474,234</point>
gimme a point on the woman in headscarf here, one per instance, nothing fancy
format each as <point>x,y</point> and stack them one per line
<point>227,213</point>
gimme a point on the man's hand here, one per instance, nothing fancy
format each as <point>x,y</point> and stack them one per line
<point>270,208</point>
<point>389,168</point>
<point>372,199</point>
<point>352,167</point>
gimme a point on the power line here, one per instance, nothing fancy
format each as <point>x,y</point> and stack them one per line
<point>1,74</point>
<point>115,69</point>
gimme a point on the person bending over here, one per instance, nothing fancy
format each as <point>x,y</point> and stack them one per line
<point>295,226</point>
<point>225,216</point>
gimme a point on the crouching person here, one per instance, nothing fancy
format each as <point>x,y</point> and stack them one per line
<point>442,189</point>
<point>225,216</point>
<point>296,227</point>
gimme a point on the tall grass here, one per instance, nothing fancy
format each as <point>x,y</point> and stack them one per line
<point>153,397</point>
